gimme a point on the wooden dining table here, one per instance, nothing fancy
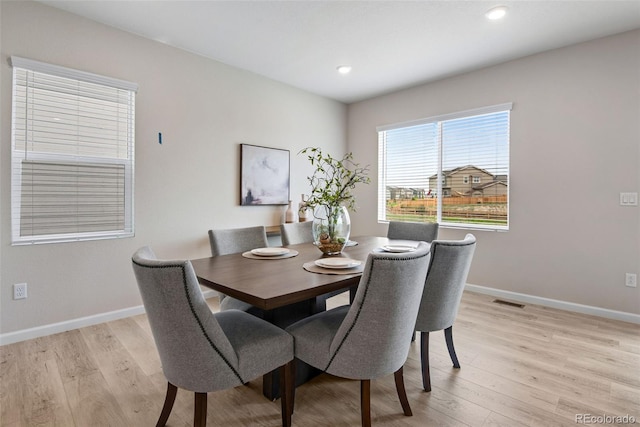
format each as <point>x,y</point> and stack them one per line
<point>277,285</point>
<point>272,282</point>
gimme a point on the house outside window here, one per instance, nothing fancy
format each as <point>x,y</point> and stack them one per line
<point>72,155</point>
<point>461,160</point>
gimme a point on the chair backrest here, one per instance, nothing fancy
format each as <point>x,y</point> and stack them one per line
<point>296,232</point>
<point>374,338</point>
<point>234,240</point>
<point>422,231</point>
<point>448,271</point>
<point>195,352</point>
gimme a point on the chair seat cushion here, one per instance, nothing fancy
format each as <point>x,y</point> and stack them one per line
<point>313,336</point>
<point>230,303</point>
<point>260,346</point>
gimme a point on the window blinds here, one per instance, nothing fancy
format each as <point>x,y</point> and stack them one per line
<point>72,154</point>
<point>453,169</point>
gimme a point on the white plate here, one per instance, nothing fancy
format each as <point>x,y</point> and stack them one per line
<point>337,263</point>
<point>270,251</point>
<point>399,248</point>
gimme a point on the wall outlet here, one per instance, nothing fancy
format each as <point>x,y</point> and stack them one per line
<point>628,199</point>
<point>20,291</point>
<point>631,280</point>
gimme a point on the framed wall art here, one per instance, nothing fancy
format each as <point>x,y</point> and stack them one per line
<point>264,175</point>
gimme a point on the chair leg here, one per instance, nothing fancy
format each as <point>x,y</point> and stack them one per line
<point>402,393</point>
<point>448,336</point>
<point>168,405</point>
<point>287,389</point>
<point>292,385</point>
<point>200,411</point>
<point>424,359</point>
<point>365,402</point>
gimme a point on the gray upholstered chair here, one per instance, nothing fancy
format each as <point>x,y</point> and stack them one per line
<point>422,231</point>
<point>201,351</point>
<point>296,232</point>
<point>447,275</point>
<point>371,337</point>
<point>234,240</point>
<point>231,241</point>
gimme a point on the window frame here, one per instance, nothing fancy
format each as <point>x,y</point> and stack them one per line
<point>441,176</point>
<point>124,188</point>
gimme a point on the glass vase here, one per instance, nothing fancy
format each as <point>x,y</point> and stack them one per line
<point>331,228</point>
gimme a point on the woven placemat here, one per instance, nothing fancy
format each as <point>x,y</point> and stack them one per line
<point>289,254</point>
<point>313,268</point>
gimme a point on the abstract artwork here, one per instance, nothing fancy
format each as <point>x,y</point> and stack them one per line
<point>264,178</point>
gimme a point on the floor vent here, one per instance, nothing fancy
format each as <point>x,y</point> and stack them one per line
<point>509,303</point>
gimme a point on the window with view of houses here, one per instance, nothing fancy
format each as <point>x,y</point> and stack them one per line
<point>451,169</point>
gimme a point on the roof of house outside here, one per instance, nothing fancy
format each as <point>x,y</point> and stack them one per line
<point>461,168</point>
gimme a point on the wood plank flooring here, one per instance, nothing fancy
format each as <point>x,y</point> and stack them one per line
<point>530,366</point>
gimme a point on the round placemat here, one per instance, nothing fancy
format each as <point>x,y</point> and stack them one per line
<point>313,268</point>
<point>289,254</point>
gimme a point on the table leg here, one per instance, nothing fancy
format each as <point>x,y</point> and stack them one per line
<point>284,317</point>
<point>271,381</point>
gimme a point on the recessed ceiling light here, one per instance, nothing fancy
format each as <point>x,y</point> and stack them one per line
<point>344,69</point>
<point>496,13</point>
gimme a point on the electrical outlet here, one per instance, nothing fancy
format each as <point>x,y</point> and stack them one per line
<point>631,280</point>
<point>19,291</point>
<point>628,199</point>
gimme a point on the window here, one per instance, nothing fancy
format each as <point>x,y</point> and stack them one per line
<point>72,155</point>
<point>439,157</point>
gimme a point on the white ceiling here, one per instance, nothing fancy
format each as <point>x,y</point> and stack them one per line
<point>390,44</point>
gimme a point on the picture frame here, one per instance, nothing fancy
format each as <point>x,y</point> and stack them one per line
<point>264,175</point>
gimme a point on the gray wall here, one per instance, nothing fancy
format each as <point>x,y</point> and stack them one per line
<point>184,187</point>
<point>575,139</point>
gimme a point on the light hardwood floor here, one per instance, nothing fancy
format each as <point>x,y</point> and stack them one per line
<point>530,366</point>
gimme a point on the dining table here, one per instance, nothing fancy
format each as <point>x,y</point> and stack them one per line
<point>288,285</point>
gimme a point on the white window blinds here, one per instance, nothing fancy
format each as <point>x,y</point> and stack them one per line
<point>72,154</point>
<point>452,169</point>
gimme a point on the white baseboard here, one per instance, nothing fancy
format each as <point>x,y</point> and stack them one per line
<point>68,325</point>
<point>562,305</point>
